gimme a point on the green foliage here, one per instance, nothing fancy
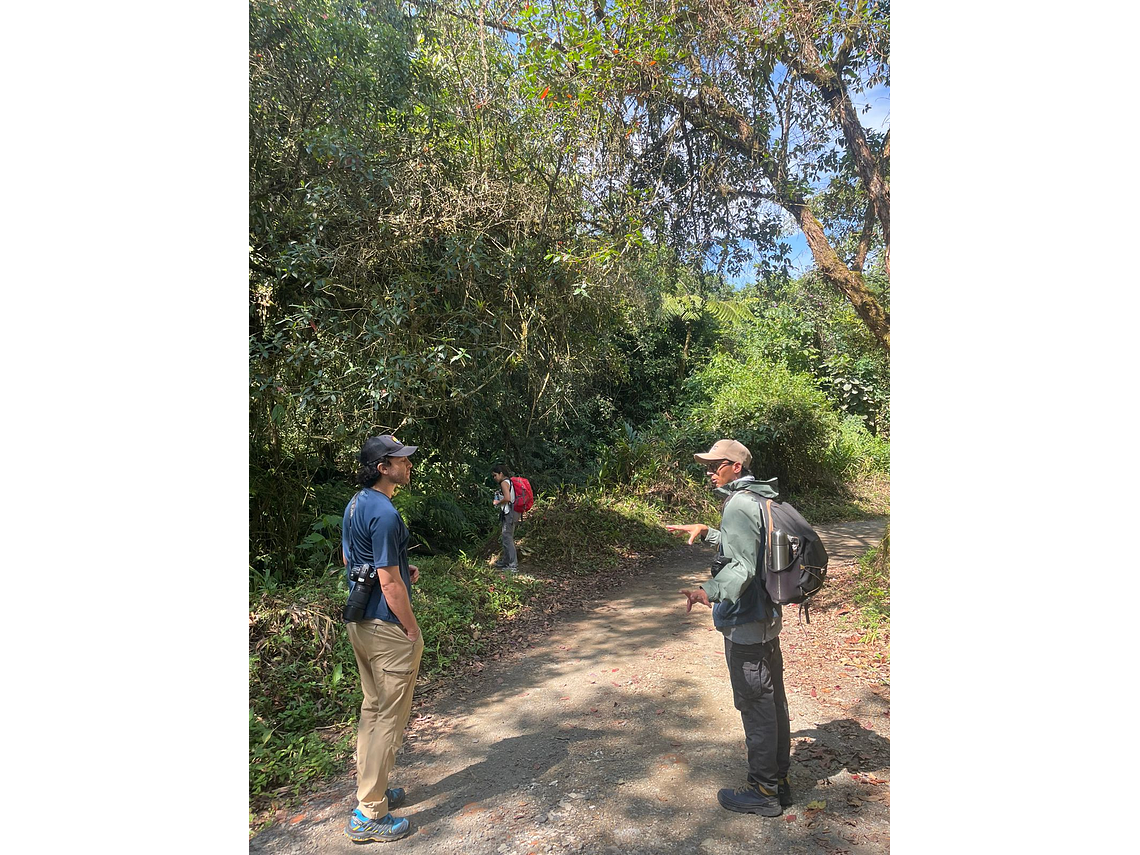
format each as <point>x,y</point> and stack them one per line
<point>652,464</point>
<point>320,549</point>
<point>635,459</point>
<point>583,532</point>
<point>812,330</point>
<point>280,513</point>
<point>873,590</point>
<point>299,690</point>
<point>419,264</point>
<point>781,416</point>
<point>857,452</point>
<point>457,605</point>
<point>294,761</point>
<point>804,387</point>
<point>438,523</point>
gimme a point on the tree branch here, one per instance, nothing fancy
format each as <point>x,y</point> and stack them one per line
<point>864,240</point>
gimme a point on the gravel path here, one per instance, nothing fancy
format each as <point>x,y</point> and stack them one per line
<point>612,732</point>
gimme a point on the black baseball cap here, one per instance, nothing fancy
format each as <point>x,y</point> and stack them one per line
<point>378,447</point>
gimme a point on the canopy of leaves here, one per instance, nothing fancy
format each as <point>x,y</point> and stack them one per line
<point>421,258</point>
<point>490,231</point>
<point>719,121</point>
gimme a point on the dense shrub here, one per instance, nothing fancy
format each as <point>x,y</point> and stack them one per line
<point>582,532</point>
<point>439,524</point>
<point>783,418</point>
<point>301,685</point>
<point>857,452</point>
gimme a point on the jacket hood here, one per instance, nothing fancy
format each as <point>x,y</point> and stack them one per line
<point>769,488</point>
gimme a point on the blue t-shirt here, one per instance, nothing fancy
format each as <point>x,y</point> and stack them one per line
<point>374,533</point>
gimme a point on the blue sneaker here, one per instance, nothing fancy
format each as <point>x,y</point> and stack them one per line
<point>396,796</point>
<point>361,829</point>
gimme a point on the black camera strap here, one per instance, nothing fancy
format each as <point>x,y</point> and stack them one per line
<point>352,512</point>
<point>361,591</point>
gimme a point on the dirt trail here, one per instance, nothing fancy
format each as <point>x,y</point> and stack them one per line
<point>613,732</point>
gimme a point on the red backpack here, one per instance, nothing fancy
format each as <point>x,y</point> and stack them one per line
<point>524,495</point>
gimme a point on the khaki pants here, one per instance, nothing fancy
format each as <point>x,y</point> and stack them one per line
<point>388,664</point>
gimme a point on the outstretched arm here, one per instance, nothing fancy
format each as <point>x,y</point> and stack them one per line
<point>697,596</point>
<point>695,532</point>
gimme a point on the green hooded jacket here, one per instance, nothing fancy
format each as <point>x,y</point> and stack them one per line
<point>740,537</point>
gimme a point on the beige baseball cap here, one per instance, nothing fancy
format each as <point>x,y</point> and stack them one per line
<point>726,449</point>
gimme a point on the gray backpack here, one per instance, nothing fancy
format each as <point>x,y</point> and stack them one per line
<point>795,560</point>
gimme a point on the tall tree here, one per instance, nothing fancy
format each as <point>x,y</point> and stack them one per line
<point>722,110</point>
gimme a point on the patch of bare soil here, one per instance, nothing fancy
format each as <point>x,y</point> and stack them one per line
<point>603,722</point>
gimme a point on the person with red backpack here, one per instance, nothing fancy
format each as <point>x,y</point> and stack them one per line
<point>504,501</point>
<point>513,500</point>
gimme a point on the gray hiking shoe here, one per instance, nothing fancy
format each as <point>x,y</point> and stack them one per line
<point>751,798</point>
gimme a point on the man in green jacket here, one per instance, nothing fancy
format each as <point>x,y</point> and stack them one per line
<point>751,625</point>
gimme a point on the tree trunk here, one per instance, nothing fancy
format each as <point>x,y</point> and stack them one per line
<point>712,112</point>
<point>834,92</point>
<point>836,272</point>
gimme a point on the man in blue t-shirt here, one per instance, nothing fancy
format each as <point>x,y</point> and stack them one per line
<point>387,640</point>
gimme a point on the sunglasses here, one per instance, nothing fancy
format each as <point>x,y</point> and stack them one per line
<point>717,468</point>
